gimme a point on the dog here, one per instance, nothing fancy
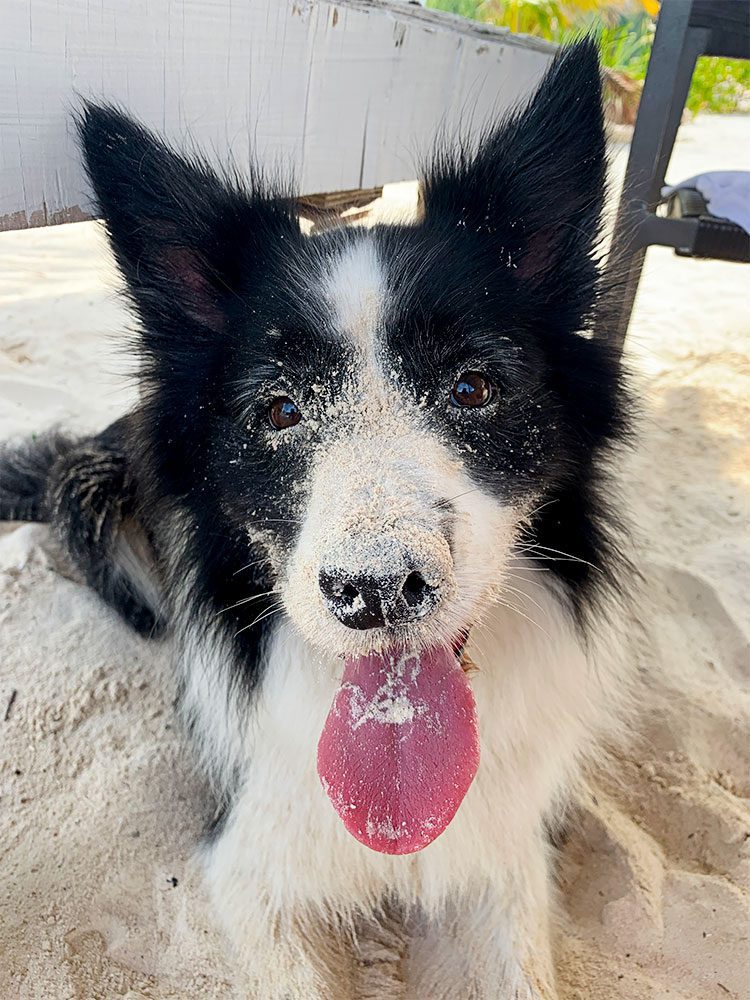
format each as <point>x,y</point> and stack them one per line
<point>369,490</point>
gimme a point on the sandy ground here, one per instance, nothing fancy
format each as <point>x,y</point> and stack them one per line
<point>99,810</point>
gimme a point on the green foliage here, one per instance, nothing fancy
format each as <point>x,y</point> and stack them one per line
<point>626,46</point>
<point>719,85</point>
<point>465,8</point>
<point>550,19</point>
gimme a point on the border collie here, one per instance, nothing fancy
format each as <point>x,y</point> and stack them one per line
<point>367,490</point>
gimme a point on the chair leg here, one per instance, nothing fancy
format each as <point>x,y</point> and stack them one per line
<point>670,71</point>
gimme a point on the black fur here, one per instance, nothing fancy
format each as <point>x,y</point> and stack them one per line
<point>93,505</point>
<point>502,270</point>
<point>24,474</point>
<point>84,489</point>
<point>511,236</point>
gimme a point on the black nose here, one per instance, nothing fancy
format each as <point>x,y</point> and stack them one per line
<point>366,601</point>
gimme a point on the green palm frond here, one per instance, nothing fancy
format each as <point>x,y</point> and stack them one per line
<point>625,30</point>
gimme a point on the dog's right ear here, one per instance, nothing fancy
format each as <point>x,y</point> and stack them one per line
<point>180,233</point>
<point>535,185</point>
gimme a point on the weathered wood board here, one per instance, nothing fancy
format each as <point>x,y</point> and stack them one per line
<point>348,93</point>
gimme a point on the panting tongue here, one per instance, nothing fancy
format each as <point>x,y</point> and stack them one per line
<point>400,747</point>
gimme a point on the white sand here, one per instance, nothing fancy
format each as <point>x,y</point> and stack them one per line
<point>98,807</point>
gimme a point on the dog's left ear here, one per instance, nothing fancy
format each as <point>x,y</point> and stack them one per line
<point>181,233</point>
<point>535,185</point>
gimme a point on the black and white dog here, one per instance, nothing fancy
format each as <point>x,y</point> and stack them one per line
<point>362,463</point>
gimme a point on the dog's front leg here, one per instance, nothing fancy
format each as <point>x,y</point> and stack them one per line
<point>379,946</point>
<point>280,950</point>
<point>493,943</point>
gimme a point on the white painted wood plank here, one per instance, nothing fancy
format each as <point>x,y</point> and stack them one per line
<point>347,94</point>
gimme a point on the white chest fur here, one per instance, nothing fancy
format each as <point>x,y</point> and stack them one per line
<point>541,702</point>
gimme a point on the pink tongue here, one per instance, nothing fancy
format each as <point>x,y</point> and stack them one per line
<point>400,747</point>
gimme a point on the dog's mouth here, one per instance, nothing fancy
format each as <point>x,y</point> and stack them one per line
<point>400,746</point>
<point>459,651</point>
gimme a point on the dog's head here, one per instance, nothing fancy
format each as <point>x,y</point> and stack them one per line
<point>377,425</point>
<point>373,430</point>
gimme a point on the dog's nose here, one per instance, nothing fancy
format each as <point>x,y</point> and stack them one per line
<point>367,601</point>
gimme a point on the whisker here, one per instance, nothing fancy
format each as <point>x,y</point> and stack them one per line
<point>539,557</point>
<point>445,503</point>
<point>528,597</point>
<point>261,617</point>
<point>566,556</point>
<point>274,520</point>
<point>255,562</point>
<point>531,569</point>
<point>547,503</point>
<point>247,600</point>
<point>518,611</point>
<point>534,583</point>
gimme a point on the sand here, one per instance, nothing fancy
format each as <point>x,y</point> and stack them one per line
<point>100,809</point>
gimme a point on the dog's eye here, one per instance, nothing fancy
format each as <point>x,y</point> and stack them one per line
<point>284,412</point>
<point>471,389</point>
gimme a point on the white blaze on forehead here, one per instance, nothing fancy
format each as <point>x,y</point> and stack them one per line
<point>355,288</point>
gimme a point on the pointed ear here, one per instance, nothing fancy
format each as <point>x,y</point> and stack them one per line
<point>178,230</point>
<point>536,180</point>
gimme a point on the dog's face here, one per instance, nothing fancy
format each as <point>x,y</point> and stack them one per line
<point>368,425</point>
<point>386,413</point>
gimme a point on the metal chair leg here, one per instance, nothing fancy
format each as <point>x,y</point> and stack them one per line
<point>673,57</point>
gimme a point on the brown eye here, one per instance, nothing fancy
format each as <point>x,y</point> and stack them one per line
<point>283,413</point>
<point>471,389</point>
